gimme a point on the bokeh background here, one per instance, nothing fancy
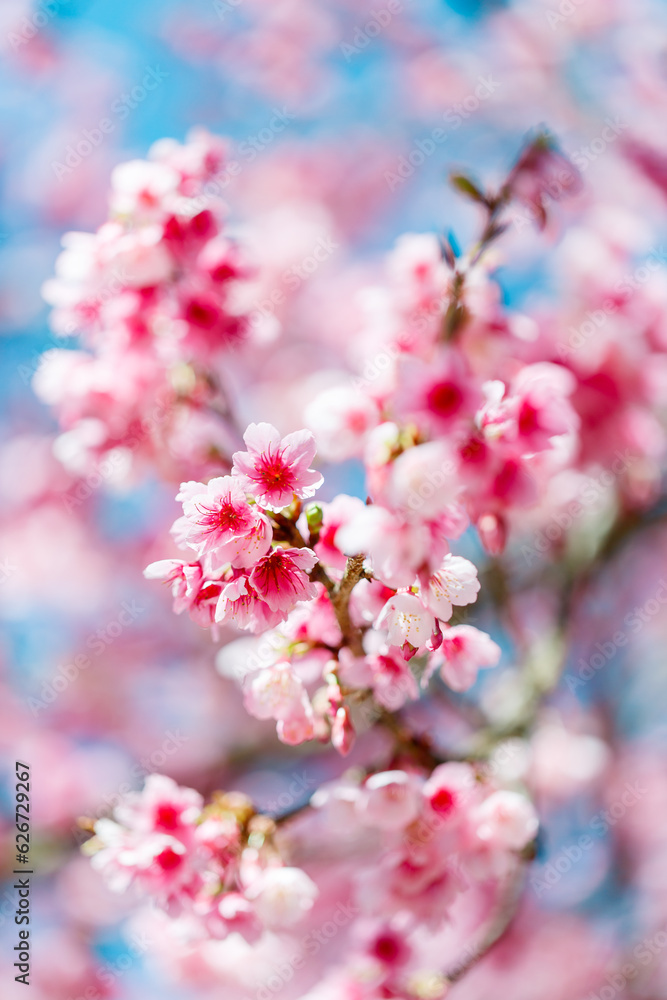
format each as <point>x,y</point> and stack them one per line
<point>322,110</point>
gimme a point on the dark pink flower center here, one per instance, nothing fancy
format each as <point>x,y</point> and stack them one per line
<point>201,313</point>
<point>444,398</point>
<point>442,801</point>
<point>208,593</point>
<point>225,518</point>
<point>529,418</point>
<point>387,949</point>
<point>167,817</point>
<point>273,471</point>
<point>274,572</point>
<point>169,860</point>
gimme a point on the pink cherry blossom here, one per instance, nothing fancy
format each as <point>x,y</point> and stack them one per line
<point>422,482</point>
<point>535,410</point>
<point>282,896</point>
<point>385,672</point>
<point>406,621</point>
<point>450,789</point>
<point>139,187</point>
<point>511,388</point>
<point>340,418</point>
<point>191,591</point>
<point>343,734</point>
<point>275,693</point>
<point>455,583</point>
<point>339,512</point>
<point>391,800</point>
<point>397,548</point>
<point>185,579</point>
<point>161,807</point>
<point>281,578</point>
<point>275,469</point>
<point>221,521</point>
<point>239,603</point>
<point>464,650</point>
<point>506,819</point>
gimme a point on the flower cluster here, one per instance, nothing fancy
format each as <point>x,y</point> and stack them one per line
<point>214,866</point>
<point>157,296</point>
<point>247,574</point>
<point>432,837</point>
<point>242,574</point>
<point>482,469</point>
<point>445,439</point>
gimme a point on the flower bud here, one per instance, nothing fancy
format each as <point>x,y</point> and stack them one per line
<point>314,516</point>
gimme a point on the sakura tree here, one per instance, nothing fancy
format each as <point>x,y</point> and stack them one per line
<point>358,621</point>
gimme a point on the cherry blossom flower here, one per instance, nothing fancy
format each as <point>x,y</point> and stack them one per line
<point>219,520</point>
<point>506,819</point>
<point>191,591</point>
<point>339,512</point>
<point>239,603</point>
<point>406,621</point>
<point>385,672</point>
<point>390,801</point>
<point>455,583</point>
<point>450,791</point>
<point>185,579</point>
<point>340,418</point>
<point>161,807</point>
<point>535,410</point>
<point>282,896</point>
<point>274,692</point>
<point>397,548</point>
<point>422,482</point>
<point>464,650</point>
<point>281,578</point>
<point>275,469</point>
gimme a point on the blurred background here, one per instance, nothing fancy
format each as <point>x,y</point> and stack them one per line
<point>324,103</point>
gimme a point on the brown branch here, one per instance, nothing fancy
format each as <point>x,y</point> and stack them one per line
<point>340,599</point>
